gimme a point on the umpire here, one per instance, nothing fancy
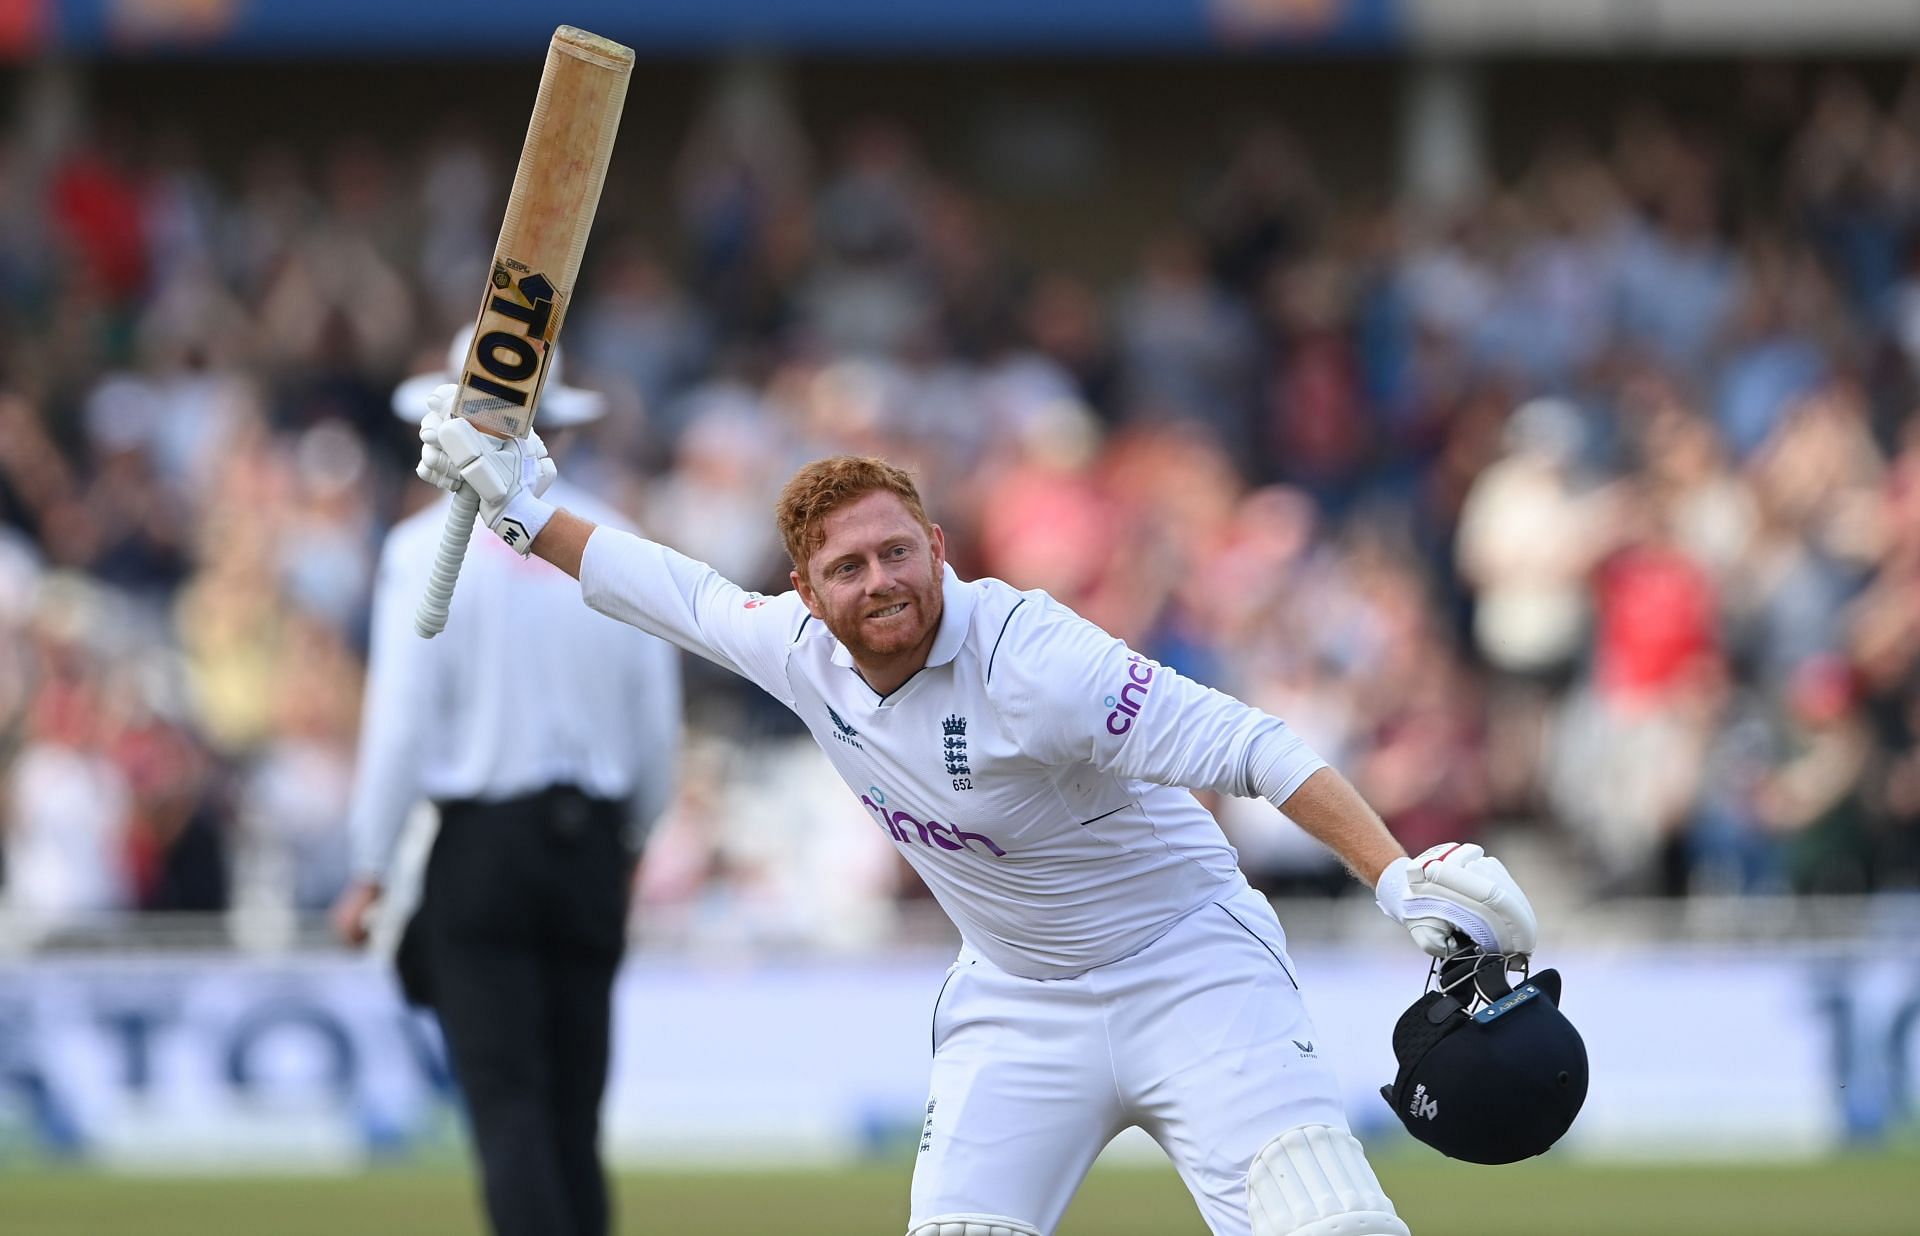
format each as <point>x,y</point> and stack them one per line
<point>547,772</point>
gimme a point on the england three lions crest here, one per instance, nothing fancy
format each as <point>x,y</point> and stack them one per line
<point>953,749</point>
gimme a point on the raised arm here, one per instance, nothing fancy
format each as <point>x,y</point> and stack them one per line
<point>622,575</point>
<point>563,542</point>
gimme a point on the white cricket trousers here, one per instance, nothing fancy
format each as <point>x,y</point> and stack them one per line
<point>1201,1039</point>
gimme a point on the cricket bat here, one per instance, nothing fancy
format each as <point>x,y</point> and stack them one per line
<point>555,193</point>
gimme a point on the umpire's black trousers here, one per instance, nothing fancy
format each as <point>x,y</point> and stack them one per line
<point>515,945</point>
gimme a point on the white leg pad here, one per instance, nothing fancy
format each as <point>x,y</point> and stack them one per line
<point>973,1225</point>
<point>1315,1181</point>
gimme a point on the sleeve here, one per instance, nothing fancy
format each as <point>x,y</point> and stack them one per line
<point>393,718</point>
<point>1071,693</point>
<point>688,603</point>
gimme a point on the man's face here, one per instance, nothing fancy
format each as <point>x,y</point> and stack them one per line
<point>875,582</point>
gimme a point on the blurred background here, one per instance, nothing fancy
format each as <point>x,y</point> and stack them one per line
<point>1518,397</point>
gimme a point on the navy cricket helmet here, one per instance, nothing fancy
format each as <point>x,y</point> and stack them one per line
<point>1490,1072</point>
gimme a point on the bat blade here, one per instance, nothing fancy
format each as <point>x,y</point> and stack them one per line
<point>556,191</point>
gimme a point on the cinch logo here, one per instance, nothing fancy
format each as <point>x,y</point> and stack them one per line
<point>1423,1106</point>
<point>1133,693</point>
<point>902,827</point>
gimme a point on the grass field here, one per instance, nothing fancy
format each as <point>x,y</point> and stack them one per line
<point>1864,1196</point>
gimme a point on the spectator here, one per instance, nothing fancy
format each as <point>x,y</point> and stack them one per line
<point>1565,488</point>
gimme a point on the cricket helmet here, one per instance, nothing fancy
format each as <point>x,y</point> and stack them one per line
<point>1490,1071</point>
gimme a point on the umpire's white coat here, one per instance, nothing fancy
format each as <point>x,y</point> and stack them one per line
<point>525,688</point>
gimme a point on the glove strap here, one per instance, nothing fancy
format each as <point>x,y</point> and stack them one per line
<point>524,518</point>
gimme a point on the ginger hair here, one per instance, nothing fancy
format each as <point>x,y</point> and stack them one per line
<point>824,486</point>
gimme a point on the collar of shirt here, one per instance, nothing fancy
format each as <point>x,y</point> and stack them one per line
<point>956,616</point>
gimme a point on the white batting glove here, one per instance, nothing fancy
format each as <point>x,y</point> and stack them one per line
<point>434,467</point>
<point>507,474</point>
<point>1453,888</point>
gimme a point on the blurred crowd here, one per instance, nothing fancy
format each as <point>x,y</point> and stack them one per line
<point>1586,509</point>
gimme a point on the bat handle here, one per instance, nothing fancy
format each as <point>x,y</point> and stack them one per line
<point>431,618</point>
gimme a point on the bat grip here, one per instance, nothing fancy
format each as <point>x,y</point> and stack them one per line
<point>431,618</point>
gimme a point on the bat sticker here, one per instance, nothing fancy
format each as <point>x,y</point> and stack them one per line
<point>510,353</point>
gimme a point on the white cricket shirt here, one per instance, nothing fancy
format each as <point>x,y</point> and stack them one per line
<point>1027,772</point>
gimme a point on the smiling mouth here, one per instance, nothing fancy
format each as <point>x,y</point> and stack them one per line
<point>889,611</point>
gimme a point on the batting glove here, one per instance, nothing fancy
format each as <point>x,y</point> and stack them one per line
<point>508,475</point>
<point>1457,888</point>
<point>434,467</point>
